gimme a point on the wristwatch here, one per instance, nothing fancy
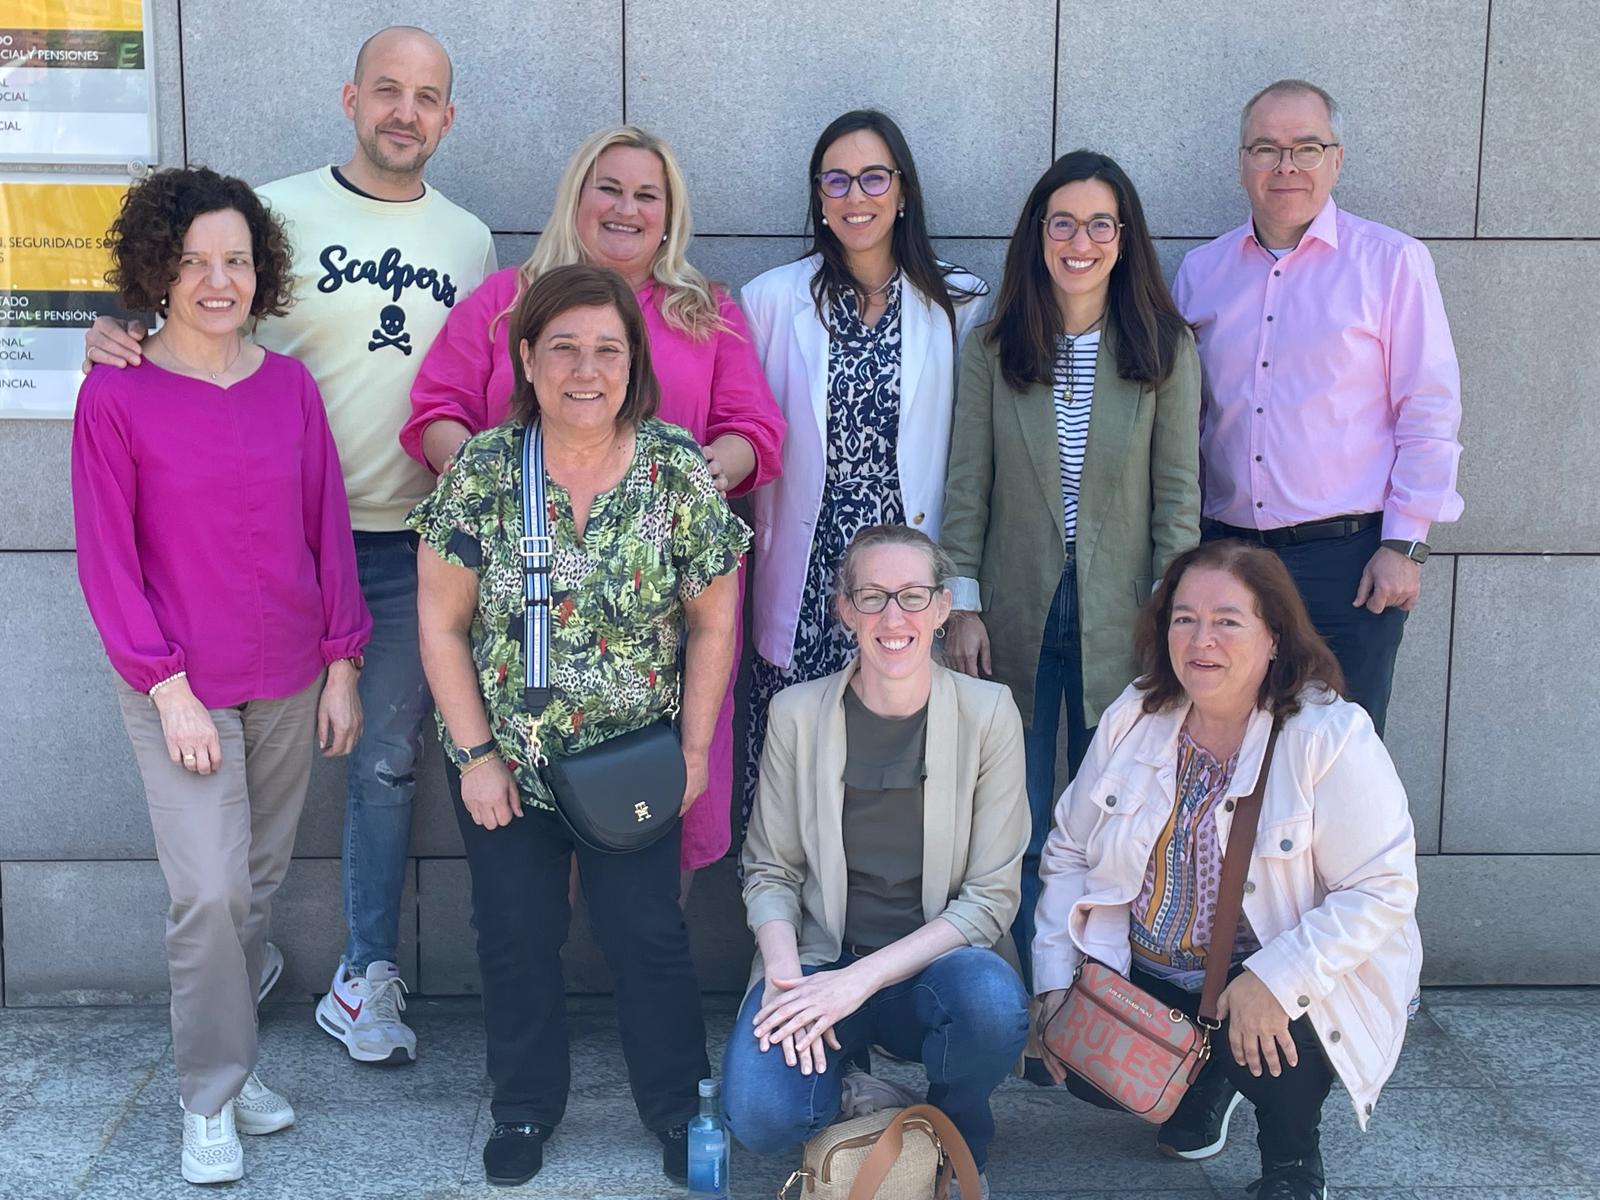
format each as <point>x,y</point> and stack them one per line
<point>1417,552</point>
<point>465,758</point>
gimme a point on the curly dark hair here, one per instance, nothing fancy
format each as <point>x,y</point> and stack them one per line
<point>147,237</point>
<point>1303,660</point>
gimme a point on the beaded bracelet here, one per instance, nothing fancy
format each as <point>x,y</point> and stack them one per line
<point>169,679</point>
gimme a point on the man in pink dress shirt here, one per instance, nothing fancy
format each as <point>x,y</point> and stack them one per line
<point>1331,395</point>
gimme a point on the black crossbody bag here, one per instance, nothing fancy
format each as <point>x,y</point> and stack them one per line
<point>623,794</point>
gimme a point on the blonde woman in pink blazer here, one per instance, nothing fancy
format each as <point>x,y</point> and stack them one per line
<point>1327,955</point>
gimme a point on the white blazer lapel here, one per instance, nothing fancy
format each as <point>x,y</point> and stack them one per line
<point>916,328</point>
<point>811,337</point>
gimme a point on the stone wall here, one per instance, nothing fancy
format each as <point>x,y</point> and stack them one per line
<point>1466,125</point>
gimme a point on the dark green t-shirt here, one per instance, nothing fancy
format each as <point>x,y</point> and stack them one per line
<point>883,774</point>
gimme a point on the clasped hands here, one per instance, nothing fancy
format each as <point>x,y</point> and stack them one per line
<point>799,1015</point>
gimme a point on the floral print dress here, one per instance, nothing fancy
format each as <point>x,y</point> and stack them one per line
<point>660,536</point>
<point>861,488</point>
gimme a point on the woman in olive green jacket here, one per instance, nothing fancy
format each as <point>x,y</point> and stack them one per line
<point>1073,477</point>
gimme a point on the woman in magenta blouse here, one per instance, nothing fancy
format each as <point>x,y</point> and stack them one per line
<point>215,554</point>
<point>622,203</point>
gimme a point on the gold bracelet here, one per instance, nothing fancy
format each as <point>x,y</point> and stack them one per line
<point>465,768</point>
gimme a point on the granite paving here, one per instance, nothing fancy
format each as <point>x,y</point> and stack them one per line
<point>1497,1096</point>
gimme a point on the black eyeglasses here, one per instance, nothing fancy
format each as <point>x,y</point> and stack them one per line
<point>911,599</point>
<point>1306,156</point>
<point>1063,228</point>
<point>874,181</point>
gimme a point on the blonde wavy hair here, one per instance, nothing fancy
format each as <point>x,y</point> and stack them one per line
<point>690,303</point>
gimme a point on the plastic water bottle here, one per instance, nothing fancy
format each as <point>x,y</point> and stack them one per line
<point>708,1145</point>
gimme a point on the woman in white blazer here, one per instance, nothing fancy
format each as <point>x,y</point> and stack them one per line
<point>1327,955</point>
<point>859,340</point>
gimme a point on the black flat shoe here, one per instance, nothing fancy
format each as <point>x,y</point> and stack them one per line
<point>514,1153</point>
<point>675,1153</point>
<point>1033,1070</point>
<point>1199,1128</point>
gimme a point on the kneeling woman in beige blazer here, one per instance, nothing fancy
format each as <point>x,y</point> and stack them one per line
<point>882,867</point>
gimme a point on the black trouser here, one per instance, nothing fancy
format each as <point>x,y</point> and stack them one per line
<point>520,875</point>
<point>1327,573</point>
<point>1288,1105</point>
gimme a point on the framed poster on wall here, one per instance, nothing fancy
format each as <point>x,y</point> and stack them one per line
<point>53,261</point>
<point>76,82</point>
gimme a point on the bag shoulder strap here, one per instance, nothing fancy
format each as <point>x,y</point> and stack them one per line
<point>875,1168</point>
<point>1230,889</point>
<point>536,547</point>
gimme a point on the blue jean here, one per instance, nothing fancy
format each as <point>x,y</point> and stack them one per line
<point>965,1016</point>
<point>1059,678</point>
<point>383,767</point>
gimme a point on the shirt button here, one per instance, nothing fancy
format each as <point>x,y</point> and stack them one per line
<point>1286,844</point>
<point>1111,801</point>
<point>917,520</point>
<point>1258,410</point>
<point>1260,504</point>
<point>1263,364</point>
<point>1269,318</point>
<point>1334,1036</point>
<point>1249,887</point>
<point>1304,1001</point>
<point>1277,272</point>
<point>1227,806</point>
<point>1258,458</point>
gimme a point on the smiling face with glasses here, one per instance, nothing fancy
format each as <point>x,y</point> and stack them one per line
<point>894,609</point>
<point>1289,161</point>
<point>862,195</point>
<point>1081,234</point>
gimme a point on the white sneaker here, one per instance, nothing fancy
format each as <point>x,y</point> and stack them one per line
<point>363,1012</point>
<point>271,972</point>
<point>211,1150</point>
<point>257,1109</point>
<point>983,1188</point>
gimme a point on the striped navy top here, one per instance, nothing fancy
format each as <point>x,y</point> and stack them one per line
<point>1074,392</point>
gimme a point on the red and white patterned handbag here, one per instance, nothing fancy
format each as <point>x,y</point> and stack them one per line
<point>1118,1038</point>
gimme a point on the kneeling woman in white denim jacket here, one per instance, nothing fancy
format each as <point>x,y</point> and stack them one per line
<point>1327,954</point>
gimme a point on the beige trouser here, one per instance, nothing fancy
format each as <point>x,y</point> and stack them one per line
<point>224,842</point>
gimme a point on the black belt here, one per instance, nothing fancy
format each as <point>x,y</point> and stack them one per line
<point>1306,531</point>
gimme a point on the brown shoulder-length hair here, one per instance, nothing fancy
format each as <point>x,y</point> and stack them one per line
<point>147,238</point>
<point>562,290</point>
<point>1303,658</point>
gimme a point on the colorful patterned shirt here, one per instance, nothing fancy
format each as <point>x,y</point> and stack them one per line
<point>660,536</point>
<point>1171,926</point>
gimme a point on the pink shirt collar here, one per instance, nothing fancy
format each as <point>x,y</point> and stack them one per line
<point>1325,228</point>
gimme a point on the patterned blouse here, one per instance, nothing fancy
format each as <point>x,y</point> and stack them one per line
<point>661,535</point>
<point>1172,915</point>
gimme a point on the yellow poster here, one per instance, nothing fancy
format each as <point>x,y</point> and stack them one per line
<point>75,82</point>
<point>53,261</point>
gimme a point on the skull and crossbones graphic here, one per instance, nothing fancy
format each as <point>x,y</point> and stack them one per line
<point>391,330</point>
